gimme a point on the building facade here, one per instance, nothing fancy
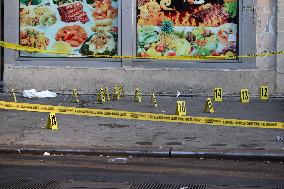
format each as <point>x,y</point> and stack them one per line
<point>148,32</point>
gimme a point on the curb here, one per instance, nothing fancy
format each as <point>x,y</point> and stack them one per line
<point>150,154</point>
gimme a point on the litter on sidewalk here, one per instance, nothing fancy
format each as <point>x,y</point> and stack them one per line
<point>34,94</point>
<point>118,160</point>
<point>46,154</point>
<point>279,139</point>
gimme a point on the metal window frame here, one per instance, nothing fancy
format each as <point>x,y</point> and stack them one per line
<point>127,44</point>
<point>1,38</point>
<point>241,63</point>
<point>12,35</point>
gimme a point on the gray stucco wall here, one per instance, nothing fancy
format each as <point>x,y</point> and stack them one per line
<point>168,81</point>
<point>280,47</point>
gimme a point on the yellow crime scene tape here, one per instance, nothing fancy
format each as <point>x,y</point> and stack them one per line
<point>143,116</point>
<point>197,57</point>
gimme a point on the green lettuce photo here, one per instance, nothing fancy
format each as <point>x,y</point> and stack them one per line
<point>31,2</point>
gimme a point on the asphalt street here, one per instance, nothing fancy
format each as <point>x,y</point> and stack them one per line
<point>91,172</point>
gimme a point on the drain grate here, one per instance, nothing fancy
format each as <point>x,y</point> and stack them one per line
<point>28,183</point>
<point>165,186</point>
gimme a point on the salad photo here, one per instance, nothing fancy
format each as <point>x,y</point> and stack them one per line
<point>34,38</point>
<point>183,28</point>
<point>76,28</point>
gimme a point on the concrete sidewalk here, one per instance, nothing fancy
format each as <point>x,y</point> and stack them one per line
<point>26,130</point>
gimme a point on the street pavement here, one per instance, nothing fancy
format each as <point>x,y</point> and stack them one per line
<point>97,173</point>
<point>26,130</point>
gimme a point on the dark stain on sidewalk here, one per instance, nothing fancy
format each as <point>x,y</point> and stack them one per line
<point>248,145</point>
<point>113,125</point>
<point>190,138</point>
<point>174,143</point>
<point>144,143</point>
<point>219,144</point>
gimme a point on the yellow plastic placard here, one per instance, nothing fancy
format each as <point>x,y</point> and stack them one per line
<point>75,98</point>
<point>218,95</point>
<point>106,94</point>
<point>116,93</point>
<point>181,108</point>
<point>121,90</point>
<point>264,92</point>
<point>154,100</point>
<point>137,96</point>
<point>101,96</point>
<point>13,95</point>
<point>244,96</point>
<point>209,106</point>
<point>52,122</point>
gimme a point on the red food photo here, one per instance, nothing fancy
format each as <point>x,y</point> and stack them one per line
<point>73,12</point>
<point>74,35</point>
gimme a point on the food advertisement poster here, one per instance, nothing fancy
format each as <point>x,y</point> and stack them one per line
<point>187,28</point>
<point>77,28</point>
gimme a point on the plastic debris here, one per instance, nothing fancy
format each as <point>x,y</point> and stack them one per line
<point>46,154</point>
<point>178,94</point>
<point>19,151</point>
<point>34,94</point>
<point>279,138</point>
<point>118,160</point>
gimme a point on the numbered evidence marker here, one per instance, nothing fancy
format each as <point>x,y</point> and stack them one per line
<point>13,95</point>
<point>101,96</point>
<point>121,90</point>
<point>264,92</point>
<point>209,106</point>
<point>106,94</point>
<point>75,98</point>
<point>218,95</point>
<point>116,93</point>
<point>137,96</point>
<point>180,108</point>
<point>244,96</point>
<point>51,122</point>
<point>154,100</point>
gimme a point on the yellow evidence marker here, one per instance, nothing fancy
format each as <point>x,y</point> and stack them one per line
<point>137,96</point>
<point>116,93</point>
<point>101,96</point>
<point>218,95</point>
<point>52,122</point>
<point>264,92</point>
<point>154,100</point>
<point>13,95</point>
<point>209,106</point>
<point>121,90</point>
<point>75,98</point>
<point>106,94</point>
<point>244,96</point>
<point>181,108</point>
